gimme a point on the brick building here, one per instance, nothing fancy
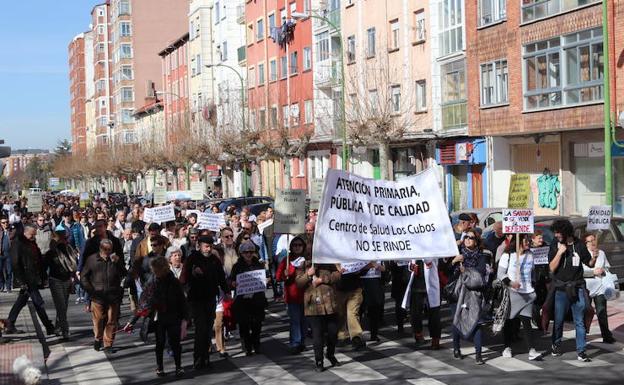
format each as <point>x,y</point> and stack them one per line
<point>77,93</point>
<point>535,89</point>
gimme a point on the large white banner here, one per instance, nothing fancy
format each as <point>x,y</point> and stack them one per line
<point>372,220</point>
<point>210,221</point>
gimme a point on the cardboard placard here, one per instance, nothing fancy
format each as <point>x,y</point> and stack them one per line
<point>210,221</point>
<point>352,267</point>
<point>251,282</point>
<point>35,202</point>
<point>290,211</point>
<point>518,221</point>
<point>519,191</point>
<point>316,193</point>
<point>599,217</point>
<point>162,214</point>
<point>540,255</point>
<point>197,190</point>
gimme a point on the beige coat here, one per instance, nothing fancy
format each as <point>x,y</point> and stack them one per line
<point>319,300</point>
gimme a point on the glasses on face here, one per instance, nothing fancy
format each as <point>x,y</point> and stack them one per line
<point>228,236</point>
<point>4,223</point>
<point>470,237</point>
<point>246,238</point>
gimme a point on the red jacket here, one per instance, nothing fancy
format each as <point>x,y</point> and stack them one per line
<point>292,294</point>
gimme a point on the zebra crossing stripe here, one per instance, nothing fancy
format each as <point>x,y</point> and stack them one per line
<point>264,371</point>
<point>505,364</point>
<point>417,360</point>
<point>425,381</point>
<point>91,367</point>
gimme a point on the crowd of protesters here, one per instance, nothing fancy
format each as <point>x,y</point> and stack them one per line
<point>178,277</point>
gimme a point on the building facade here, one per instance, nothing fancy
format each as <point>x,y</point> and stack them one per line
<point>19,160</point>
<point>102,76</point>
<point>77,94</point>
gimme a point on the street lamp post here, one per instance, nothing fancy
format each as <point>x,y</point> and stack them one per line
<point>343,118</point>
<point>242,83</point>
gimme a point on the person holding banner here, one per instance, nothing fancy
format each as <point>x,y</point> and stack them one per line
<point>469,271</point>
<point>373,297</point>
<point>516,272</point>
<point>349,297</point>
<point>320,308</point>
<point>425,290</point>
<point>400,273</point>
<point>248,308</point>
<point>594,278</point>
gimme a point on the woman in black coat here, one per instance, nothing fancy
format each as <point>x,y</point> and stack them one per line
<point>248,308</point>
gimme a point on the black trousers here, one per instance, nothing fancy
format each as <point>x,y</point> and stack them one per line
<point>170,330</point>
<point>417,308</point>
<point>399,313</point>
<point>373,303</point>
<point>324,331</point>
<point>250,327</point>
<point>511,327</point>
<point>22,300</point>
<point>600,301</point>
<point>60,297</point>
<point>203,318</point>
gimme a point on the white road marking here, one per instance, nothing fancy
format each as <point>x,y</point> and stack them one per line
<point>419,361</point>
<point>263,371</point>
<point>91,367</point>
<point>426,381</point>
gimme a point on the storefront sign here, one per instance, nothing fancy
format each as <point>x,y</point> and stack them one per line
<point>517,221</point>
<point>599,218</point>
<point>595,150</point>
<point>290,211</point>
<point>251,282</point>
<point>540,255</point>
<point>372,220</point>
<point>519,191</point>
<point>210,221</point>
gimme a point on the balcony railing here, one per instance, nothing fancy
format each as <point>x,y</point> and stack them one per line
<point>327,74</point>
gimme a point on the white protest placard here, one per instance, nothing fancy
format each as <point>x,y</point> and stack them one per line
<point>35,202</point>
<point>162,214</point>
<point>197,190</point>
<point>599,217</point>
<point>251,282</point>
<point>104,196</point>
<point>518,221</point>
<point>148,216</point>
<point>210,221</point>
<point>352,267</point>
<point>540,255</point>
<point>290,211</point>
<point>316,193</point>
<point>265,225</point>
<point>372,273</point>
<point>160,195</point>
<point>382,220</point>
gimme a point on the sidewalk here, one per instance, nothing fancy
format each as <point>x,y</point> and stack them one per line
<point>17,345</point>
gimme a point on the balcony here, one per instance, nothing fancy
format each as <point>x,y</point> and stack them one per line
<point>242,55</point>
<point>240,14</point>
<point>327,74</point>
<point>332,15</point>
<point>454,115</point>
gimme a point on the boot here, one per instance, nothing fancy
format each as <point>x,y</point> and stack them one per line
<point>435,343</point>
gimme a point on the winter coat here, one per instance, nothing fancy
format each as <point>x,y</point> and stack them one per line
<point>164,297</point>
<point>60,260</point>
<point>469,302</point>
<point>102,278</point>
<point>292,292</point>
<point>203,288</point>
<point>44,237</point>
<point>28,268</point>
<point>92,247</point>
<point>548,309</point>
<point>257,302</point>
<point>320,300</point>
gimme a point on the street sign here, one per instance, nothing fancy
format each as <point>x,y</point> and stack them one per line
<point>519,191</point>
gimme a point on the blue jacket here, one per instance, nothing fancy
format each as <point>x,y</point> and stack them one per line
<point>76,236</point>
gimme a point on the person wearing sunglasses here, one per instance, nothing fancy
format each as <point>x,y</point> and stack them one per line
<point>229,249</point>
<point>469,269</point>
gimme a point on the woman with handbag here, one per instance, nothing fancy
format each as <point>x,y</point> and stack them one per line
<point>515,270</point>
<point>469,273</point>
<point>595,284</point>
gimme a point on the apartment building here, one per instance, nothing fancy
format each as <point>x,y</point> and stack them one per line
<point>17,162</point>
<point>89,102</point>
<point>102,76</point>
<point>175,91</point>
<point>77,93</point>
<point>536,90</point>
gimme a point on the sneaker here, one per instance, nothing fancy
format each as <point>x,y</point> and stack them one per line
<point>556,351</point>
<point>479,360</point>
<point>179,372</point>
<point>507,353</point>
<point>582,356</point>
<point>160,373</point>
<point>534,355</point>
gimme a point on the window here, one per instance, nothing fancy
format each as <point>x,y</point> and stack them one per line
<point>582,58</point>
<point>125,51</point>
<point>293,7</point>
<point>127,94</point>
<point>294,68</point>
<point>126,116</point>
<point>198,63</point>
<point>251,77</point>
<point>351,49</point>
<point>217,11</point>
<point>124,7</point>
<point>491,11</point>
<point>395,98</point>
<point>273,70</point>
<point>373,99</point>
<point>260,74</point>
<point>394,39</point>
<point>494,83</point>
<point>285,116</point>
<point>370,48</point>
<point>538,9</point>
<point>271,23</point>
<point>125,29</point>
<point>322,46</point>
<point>283,67</point>
<point>273,116</point>
<point>420,30</point>
<point>100,30</point>
<point>307,6</point>
<point>260,29</point>
<point>262,119</point>
<point>283,16</point>
<point>451,26</point>
<point>421,95</point>
<point>307,58</point>
<point>192,30</point>
<point>223,53</point>
<point>454,94</point>
<point>308,114</point>
<point>126,73</point>
<point>294,114</point>
<point>129,137</point>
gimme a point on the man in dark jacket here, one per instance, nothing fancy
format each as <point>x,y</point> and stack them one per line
<point>204,275</point>
<point>101,277</point>
<point>29,276</point>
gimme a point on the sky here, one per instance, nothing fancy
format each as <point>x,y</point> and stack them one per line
<point>34,85</point>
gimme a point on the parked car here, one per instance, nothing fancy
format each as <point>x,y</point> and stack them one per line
<point>487,216</point>
<point>241,202</point>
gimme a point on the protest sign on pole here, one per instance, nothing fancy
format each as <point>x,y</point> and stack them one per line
<point>367,219</point>
<point>197,190</point>
<point>35,202</point>
<point>211,221</point>
<point>85,199</point>
<point>289,211</point>
<point>251,282</point>
<point>540,255</point>
<point>162,214</point>
<point>518,221</point>
<point>148,216</point>
<point>316,193</point>
<point>599,217</point>
<point>160,195</point>
<point>519,191</point>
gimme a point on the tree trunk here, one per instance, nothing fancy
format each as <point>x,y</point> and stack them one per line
<point>287,174</point>
<point>384,153</point>
<point>258,172</point>
<point>175,179</point>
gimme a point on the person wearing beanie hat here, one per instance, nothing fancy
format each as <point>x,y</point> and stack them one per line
<point>248,308</point>
<point>293,295</point>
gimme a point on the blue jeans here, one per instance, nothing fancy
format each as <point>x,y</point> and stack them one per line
<point>6,273</point>
<point>297,325</point>
<point>562,304</point>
